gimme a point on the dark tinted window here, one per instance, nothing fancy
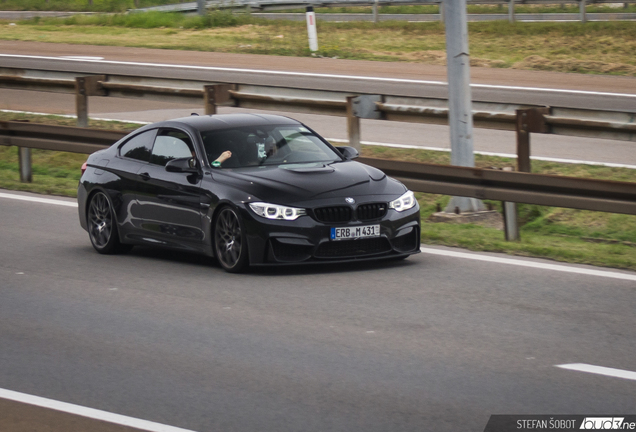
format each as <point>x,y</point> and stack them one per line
<point>138,147</point>
<point>171,144</point>
<point>267,145</point>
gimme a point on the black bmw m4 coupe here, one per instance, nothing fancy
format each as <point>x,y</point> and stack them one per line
<point>247,189</point>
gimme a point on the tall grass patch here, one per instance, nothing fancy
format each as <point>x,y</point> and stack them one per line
<point>79,5</point>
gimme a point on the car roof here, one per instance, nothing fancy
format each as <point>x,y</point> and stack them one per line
<point>225,121</point>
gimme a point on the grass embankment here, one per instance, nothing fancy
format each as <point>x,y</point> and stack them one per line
<point>562,234</point>
<point>79,5</point>
<point>594,47</point>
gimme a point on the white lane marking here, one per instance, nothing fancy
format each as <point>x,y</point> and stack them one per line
<point>503,155</point>
<point>89,412</point>
<point>39,200</point>
<point>82,57</point>
<point>599,370</point>
<point>531,264</point>
<point>319,75</point>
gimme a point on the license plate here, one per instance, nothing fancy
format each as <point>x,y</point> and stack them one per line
<point>355,232</point>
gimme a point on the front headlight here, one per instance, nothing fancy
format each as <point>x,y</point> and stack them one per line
<point>275,211</point>
<point>404,202</point>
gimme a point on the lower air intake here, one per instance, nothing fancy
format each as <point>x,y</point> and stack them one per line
<point>353,248</point>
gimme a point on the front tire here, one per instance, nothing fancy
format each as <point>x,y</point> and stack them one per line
<point>102,226</point>
<point>230,245</point>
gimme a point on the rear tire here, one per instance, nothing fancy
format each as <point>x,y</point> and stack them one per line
<point>230,244</point>
<point>102,226</point>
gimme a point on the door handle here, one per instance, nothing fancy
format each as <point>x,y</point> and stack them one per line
<point>145,176</point>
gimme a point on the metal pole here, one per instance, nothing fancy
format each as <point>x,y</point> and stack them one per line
<point>311,28</point>
<point>511,11</point>
<point>582,4</point>
<point>441,11</point>
<point>460,117</point>
<point>375,11</point>
<point>201,7</point>
<point>353,124</point>
<point>24,160</point>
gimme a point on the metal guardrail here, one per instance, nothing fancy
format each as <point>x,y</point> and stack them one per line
<point>539,189</point>
<point>59,138</point>
<point>524,119</point>
<point>287,4</point>
<point>262,5</point>
<point>469,182</point>
<point>511,186</point>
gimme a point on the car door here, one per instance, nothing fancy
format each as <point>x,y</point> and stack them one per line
<point>132,156</point>
<point>170,202</point>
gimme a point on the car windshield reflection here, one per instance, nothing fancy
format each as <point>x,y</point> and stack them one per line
<point>266,145</point>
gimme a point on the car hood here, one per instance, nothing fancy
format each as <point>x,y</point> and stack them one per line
<point>288,184</point>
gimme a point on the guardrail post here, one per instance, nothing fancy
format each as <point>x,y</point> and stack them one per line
<point>81,102</point>
<point>441,11</point>
<point>353,124</point>
<point>582,4</point>
<point>511,221</point>
<point>528,120</point>
<point>85,87</point>
<point>215,95</point>
<point>24,160</point>
<point>511,11</point>
<point>208,99</point>
<point>510,218</point>
<point>523,142</point>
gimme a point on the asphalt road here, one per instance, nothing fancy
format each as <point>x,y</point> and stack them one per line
<point>434,343</point>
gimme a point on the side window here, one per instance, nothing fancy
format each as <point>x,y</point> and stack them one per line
<point>171,144</point>
<point>138,147</point>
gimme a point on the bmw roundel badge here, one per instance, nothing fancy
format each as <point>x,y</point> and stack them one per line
<point>350,200</point>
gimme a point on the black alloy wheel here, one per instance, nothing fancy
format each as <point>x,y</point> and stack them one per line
<point>102,228</point>
<point>230,245</point>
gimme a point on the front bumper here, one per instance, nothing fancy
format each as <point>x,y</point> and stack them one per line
<point>305,240</point>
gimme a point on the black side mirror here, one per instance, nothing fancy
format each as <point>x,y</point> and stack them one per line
<point>182,165</point>
<point>348,152</point>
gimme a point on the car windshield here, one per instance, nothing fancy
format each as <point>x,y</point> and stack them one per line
<point>254,146</point>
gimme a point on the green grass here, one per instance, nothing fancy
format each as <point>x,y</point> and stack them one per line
<point>148,20</point>
<point>594,47</point>
<point>79,5</point>
<point>568,235</point>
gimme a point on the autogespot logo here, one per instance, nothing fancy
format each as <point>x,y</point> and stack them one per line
<point>606,423</point>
